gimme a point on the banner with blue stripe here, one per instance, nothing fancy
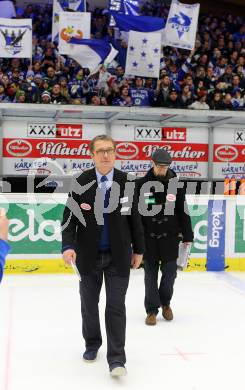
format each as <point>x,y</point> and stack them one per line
<point>216,235</point>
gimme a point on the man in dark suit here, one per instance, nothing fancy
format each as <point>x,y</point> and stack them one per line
<point>159,190</point>
<point>100,223</point>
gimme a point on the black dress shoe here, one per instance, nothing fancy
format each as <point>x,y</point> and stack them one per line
<point>90,356</point>
<point>117,369</point>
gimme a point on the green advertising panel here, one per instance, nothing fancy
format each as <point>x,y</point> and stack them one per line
<point>35,228</point>
<point>199,221</point>
<point>240,230</point>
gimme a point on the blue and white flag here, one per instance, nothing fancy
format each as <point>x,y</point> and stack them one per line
<point>57,9</point>
<point>138,23</point>
<point>143,54</point>
<point>91,53</point>
<point>15,38</point>
<point>127,7</point>
<point>77,5</point>
<point>181,26</point>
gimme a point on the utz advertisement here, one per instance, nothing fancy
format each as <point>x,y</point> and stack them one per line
<point>47,148</point>
<point>229,153</point>
<point>136,144</point>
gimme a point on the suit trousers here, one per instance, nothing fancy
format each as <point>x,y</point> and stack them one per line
<point>159,296</point>
<point>115,311</point>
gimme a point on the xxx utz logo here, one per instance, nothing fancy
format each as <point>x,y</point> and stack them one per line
<point>181,23</point>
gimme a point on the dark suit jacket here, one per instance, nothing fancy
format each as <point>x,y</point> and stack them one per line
<point>125,228</point>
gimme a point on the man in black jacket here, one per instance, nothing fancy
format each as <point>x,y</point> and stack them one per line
<point>101,220</point>
<point>162,206</point>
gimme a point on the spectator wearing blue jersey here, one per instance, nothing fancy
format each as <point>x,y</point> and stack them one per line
<point>4,246</point>
<point>240,35</point>
<point>124,100</point>
<point>237,100</point>
<point>140,95</point>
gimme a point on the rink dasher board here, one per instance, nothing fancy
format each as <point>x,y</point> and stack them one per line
<point>32,215</point>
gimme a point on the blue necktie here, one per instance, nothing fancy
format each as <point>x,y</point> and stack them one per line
<point>105,241</point>
<point>106,191</point>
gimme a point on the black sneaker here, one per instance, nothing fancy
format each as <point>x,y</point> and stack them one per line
<point>90,356</point>
<point>117,369</point>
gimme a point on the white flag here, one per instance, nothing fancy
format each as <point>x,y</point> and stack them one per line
<point>73,25</point>
<point>15,38</point>
<point>181,25</point>
<point>143,54</point>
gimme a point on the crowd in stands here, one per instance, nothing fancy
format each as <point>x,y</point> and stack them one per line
<point>212,76</point>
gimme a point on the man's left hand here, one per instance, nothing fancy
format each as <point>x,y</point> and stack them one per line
<point>136,260</point>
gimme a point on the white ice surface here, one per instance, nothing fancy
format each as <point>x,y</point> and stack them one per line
<point>203,348</point>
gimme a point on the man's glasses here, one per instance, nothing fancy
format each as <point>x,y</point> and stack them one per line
<point>102,152</point>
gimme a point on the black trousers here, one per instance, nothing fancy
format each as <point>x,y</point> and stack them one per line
<point>115,311</point>
<point>156,296</point>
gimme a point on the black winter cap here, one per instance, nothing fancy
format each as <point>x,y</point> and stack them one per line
<point>161,157</point>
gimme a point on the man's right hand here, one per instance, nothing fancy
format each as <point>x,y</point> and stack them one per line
<point>4,225</point>
<point>69,256</point>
